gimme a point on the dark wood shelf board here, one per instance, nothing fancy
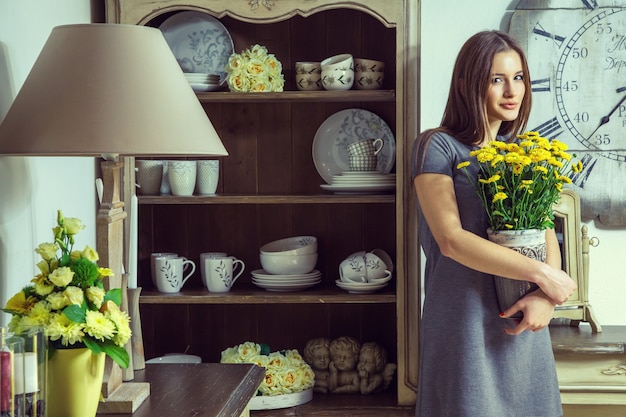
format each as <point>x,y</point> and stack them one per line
<point>270,199</point>
<point>299,96</point>
<point>248,294</point>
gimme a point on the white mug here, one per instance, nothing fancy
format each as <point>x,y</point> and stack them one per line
<point>170,275</point>
<point>149,176</point>
<point>203,257</point>
<point>221,273</point>
<point>155,255</point>
<point>207,174</point>
<point>353,269</point>
<point>182,177</point>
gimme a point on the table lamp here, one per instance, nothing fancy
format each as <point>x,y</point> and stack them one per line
<point>110,91</point>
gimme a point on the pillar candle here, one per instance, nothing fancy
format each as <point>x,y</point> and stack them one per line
<point>26,373</point>
<point>132,244</point>
<point>6,396</point>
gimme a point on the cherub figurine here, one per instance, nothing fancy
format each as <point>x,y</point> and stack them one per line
<point>344,354</point>
<point>317,354</point>
<point>374,372</point>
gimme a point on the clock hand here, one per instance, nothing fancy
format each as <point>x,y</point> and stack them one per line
<point>605,119</point>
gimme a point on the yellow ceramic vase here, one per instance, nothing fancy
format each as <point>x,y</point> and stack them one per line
<point>74,383</point>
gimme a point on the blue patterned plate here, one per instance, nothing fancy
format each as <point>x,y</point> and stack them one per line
<point>341,129</point>
<point>199,42</point>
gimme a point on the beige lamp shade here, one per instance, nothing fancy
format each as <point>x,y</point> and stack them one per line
<point>100,89</point>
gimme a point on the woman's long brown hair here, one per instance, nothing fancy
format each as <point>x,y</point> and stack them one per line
<point>465,115</point>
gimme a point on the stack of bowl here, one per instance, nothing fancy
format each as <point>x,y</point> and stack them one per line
<point>288,264</point>
<point>369,74</point>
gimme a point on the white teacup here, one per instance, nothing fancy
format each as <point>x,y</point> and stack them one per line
<point>353,269</point>
<point>375,266</point>
<point>221,273</point>
<point>170,275</point>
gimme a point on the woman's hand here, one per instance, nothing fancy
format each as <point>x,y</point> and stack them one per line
<point>537,308</point>
<point>556,284</point>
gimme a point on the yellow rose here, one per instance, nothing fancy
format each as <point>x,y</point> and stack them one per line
<point>57,300</point>
<point>61,276</point>
<point>90,253</point>
<point>74,295</point>
<point>96,296</point>
<point>47,251</point>
<point>73,225</point>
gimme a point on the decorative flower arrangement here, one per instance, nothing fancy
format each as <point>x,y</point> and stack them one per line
<point>254,70</point>
<point>67,299</point>
<point>519,182</point>
<point>285,371</point>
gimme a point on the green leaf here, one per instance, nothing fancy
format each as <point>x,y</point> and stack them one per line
<point>92,345</point>
<point>114,295</point>
<point>117,353</point>
<point>76,313</point>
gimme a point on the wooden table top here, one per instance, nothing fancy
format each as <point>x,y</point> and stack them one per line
<point>566,339</point>
<point>199,390</point>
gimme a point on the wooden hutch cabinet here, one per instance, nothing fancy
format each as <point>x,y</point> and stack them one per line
<point>269,189</point>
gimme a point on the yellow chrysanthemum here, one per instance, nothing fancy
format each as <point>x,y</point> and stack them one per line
<point>499,197</point>
<point>98,326</point>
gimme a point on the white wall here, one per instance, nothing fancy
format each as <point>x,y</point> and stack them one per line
<point>32,189</point>
<point>458,20</point>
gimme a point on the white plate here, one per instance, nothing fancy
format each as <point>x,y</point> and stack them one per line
<point>200,87</point>
<point>291,287</point>
<point>281,280</point>
<point>303,281</point>
<point>358,188</point>
<point>199,42</point>
<point>341,180</point>
<point>365,174</point>
<point>341,129</point>
<point>359,288</point>
<point>261,273</point>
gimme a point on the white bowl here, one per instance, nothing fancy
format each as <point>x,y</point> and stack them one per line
<point>337,79</point>
<point>279,264</point>
<point>368,80</point>
<point>296,245</point>
<point>338,62</point>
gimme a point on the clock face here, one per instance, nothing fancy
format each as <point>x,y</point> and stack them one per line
<point>577,61</point>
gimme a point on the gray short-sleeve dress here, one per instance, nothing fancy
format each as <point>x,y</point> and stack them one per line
<point>468,366</point>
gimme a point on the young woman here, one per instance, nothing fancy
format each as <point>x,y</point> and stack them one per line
<point>474,361</point>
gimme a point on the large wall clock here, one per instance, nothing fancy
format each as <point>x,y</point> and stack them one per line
<point>577,57</point>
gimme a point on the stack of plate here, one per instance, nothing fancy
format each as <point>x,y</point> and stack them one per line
<point>200,81</point>
<point>361,182</point>
<point>361,287</point>
<point>295,282</point>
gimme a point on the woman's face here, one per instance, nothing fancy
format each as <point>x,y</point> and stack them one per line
<point>506,89</point>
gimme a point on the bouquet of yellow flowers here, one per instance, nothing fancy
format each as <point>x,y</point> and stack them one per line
<point>67,299</point>
<point>285,371</point>
<point>520,181</point>
<point>254,70</point>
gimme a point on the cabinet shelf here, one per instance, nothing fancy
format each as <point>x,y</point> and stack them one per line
<point>299,96</point>
<point>249,294</point>
<point>270,199</point>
